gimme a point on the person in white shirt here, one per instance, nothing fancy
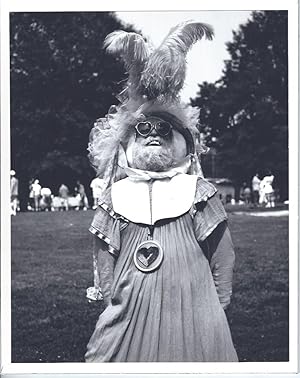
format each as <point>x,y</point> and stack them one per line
<point>97,185</point>
<point>36,190</point>
<point>64,196</point>
<point>46,200</point>
<point>267,185</point>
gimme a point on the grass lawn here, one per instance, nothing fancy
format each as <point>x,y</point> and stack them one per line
<point>52,267</point>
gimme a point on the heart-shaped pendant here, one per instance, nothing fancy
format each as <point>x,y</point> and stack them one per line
<point>148,256</point>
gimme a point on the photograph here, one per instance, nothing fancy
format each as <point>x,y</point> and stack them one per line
<point>149,217</point>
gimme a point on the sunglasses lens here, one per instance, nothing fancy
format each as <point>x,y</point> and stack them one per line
<point>144,128</point>
<point>163,128</point>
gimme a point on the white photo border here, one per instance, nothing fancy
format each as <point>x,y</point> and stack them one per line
<point>56,369</point>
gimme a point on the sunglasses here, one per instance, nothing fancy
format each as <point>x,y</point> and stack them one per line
<point>145,128</point>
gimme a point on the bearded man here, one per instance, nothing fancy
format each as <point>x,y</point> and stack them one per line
<point>163,255</point>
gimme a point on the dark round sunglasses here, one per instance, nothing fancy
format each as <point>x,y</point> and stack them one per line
<point>145,128</point>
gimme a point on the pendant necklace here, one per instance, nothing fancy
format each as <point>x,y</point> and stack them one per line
<point>148,255</point>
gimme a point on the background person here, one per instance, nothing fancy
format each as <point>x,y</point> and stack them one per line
<point>36,190</point>
<point>262,194</point>
<point>97,185</point>
<point>14,192</point>
<point>63,192</point>
<point>83,201</point>
<point>46,200</point>
<point>245,194</point>
<point>255,189</point>
<point>267,184</point>
<point>30,204</point>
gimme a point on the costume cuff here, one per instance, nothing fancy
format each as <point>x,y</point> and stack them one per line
<point>94,294</point>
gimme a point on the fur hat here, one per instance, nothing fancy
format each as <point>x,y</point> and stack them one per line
<point>155,79</point>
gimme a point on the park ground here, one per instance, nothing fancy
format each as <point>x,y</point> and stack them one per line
<point>52,267</point>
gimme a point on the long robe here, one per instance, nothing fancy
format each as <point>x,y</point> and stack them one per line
<point>175,313</point>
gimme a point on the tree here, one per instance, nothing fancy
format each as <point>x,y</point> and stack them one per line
<point>247,109</point>
<point>61,81</point>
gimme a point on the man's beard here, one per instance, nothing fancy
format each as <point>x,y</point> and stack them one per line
<point>150,159</point>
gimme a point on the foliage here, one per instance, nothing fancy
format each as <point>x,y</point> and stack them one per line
<point>247,109</point>
<point>61,81</point>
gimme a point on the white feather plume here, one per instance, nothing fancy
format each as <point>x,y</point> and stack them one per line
<point>131,46</point>
<point>165,70</point>
<point>134,51</point>
<point>184,35</point>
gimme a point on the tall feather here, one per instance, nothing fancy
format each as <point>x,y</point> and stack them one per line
<point>134,51</point>
<point>165,70</point>
<point>184,35</point>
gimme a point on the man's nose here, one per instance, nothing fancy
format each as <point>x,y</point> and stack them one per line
<point>153,132</point>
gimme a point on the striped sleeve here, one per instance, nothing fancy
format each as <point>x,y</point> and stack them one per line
<point>208,210</point>
<point>107,226</point>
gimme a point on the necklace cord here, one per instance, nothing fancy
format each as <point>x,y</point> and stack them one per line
<point>151,227</point>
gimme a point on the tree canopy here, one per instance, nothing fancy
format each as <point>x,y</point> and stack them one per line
<point>61,81</point>
<point>246,110</point>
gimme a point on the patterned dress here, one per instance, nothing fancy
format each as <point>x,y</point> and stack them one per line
<point>175,313</point>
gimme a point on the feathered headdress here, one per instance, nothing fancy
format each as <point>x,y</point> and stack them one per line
<point>155,79</point>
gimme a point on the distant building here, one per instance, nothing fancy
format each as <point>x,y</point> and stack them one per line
<point>225,188</point>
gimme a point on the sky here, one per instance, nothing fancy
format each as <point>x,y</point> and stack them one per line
<point>205,60</point>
